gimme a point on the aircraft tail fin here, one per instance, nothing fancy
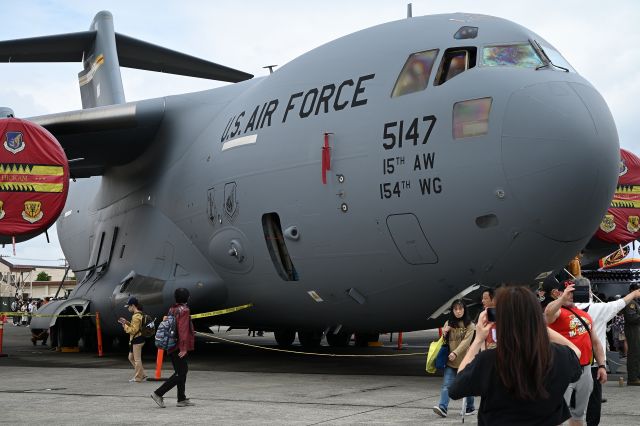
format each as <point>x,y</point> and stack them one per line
<point>103,51</point>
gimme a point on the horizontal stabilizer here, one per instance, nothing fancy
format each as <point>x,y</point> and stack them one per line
<point>132,53</point>
<point>55,48</point>
<point>98,138</point>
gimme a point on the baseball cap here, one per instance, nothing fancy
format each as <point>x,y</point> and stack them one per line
<point>132,301</point>
<point>550,283</point>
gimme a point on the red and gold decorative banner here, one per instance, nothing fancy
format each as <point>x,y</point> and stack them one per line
<point>34,178</point>
<point>621,223</point>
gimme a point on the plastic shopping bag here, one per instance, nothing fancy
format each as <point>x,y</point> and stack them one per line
<point>434,349</point>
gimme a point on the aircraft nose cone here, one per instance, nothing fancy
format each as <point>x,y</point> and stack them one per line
<point>560,155</point>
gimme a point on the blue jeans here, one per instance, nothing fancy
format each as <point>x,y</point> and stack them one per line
<point>449,376</point>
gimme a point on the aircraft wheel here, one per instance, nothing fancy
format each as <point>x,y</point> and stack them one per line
<point>310,338</point>
<point>339,340</point>
<point>363,339</point>
<point>284,338</point>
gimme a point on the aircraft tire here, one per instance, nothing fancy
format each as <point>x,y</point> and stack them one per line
<point>285,337</point>
<point>363,339</point>
<point>310,338</point>
<point>339,340</point>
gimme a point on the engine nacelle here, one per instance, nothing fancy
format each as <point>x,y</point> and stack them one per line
<point>34,180</point>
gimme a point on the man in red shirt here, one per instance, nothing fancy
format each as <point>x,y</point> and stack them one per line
<point>576,325</point>
<point>488,301</point>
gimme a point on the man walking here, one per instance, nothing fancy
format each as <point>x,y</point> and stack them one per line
<point>186,337</point>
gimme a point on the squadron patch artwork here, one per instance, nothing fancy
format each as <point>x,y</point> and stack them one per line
<point>328,193</point>
<point>13,142</point>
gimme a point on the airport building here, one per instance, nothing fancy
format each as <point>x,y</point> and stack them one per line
<point>28,280</point>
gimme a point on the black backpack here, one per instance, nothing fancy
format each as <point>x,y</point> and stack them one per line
<point>148,326</point>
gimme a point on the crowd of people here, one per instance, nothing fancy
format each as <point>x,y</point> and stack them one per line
<point>537,358</point>
<point>26,307</point>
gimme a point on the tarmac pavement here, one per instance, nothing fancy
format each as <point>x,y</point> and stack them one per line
<point>241,385</point>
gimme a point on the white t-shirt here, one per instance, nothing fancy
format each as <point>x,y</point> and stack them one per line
<point>602,313</point>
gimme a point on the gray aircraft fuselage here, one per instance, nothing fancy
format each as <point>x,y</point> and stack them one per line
<point>229,199</point>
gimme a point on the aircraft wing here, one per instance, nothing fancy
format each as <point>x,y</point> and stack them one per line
<point>95,139</point>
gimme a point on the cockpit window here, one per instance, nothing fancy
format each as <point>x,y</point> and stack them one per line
<point>415,73</point>
<point>455,61</point>
<point>520,55</point>
<point>554,56</point>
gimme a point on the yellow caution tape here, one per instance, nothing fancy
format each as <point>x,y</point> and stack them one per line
<point>221,311</point>
<point>20,314</point>
<point>194,316</point>
<point>266,348</point>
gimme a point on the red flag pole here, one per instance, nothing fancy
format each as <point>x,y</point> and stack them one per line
<point>99,333</point>
<point>2,317</point>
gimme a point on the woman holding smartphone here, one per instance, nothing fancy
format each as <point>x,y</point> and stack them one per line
<point>136,340</point>
<point>522,381</point>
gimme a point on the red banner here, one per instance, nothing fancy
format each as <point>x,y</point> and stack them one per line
<point>621,223</point>
<point>34,178</point>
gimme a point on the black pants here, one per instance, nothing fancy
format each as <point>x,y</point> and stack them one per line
<point>632,334</point>
<point>179,377</point>
<point>595,400</point>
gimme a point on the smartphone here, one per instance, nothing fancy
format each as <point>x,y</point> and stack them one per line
<point>581,293</point>
<point>491,314</point>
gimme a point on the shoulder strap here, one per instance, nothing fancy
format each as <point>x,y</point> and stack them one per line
<point>593,353</point>
<point>586,326</point>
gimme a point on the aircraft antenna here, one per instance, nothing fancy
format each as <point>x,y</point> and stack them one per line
<point>409,11</point>
<point>271,67</point>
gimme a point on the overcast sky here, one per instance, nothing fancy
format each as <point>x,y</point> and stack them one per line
<point>600,40</point>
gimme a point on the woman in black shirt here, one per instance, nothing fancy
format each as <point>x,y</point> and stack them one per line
<point>522,381</point>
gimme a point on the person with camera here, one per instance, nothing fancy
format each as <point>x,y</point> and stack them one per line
<point>631,315</point>
<point>458,333</point>
<point>577,326</point>
<point>489,303</point>
<point>601,313</point>
<point>522,381</point>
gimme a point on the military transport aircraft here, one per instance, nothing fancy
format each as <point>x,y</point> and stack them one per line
<point>359,188</point>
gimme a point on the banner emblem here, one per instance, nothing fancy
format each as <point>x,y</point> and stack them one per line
<point>13,142</point>
<point>633,224</point>
<point>1,209</point>
<point>622,168</point>
<point>32,212</point>
<point>608,224</point>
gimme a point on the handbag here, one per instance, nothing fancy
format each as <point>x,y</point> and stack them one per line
<point>443,357</point>
<point>432,354</point>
